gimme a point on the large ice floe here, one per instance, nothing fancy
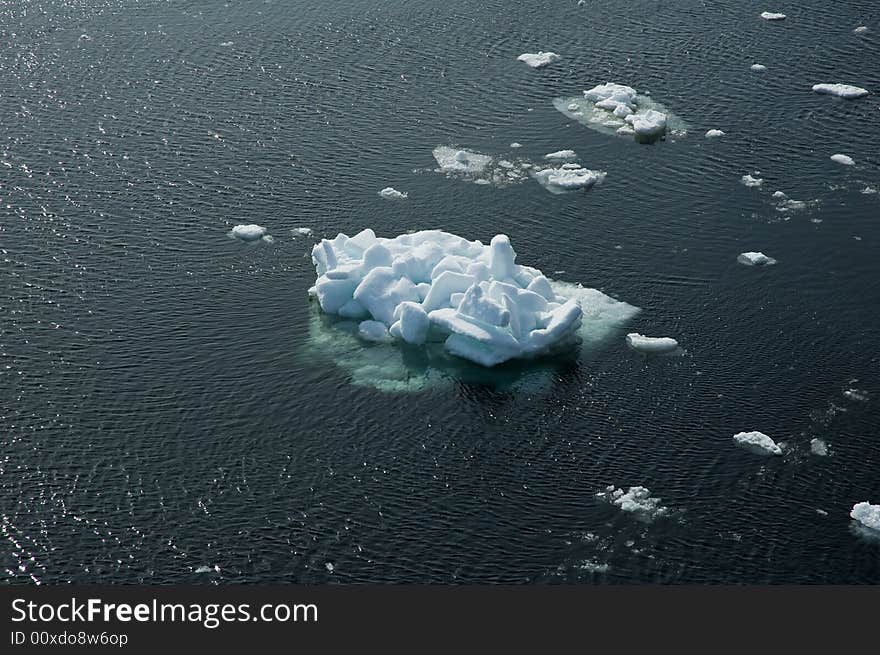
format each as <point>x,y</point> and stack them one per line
<point>619,109</point>
<point>867,514</point>
<point>538,59</point>
<point>841,90</point>
<point>757,442</point>
<point>432,286</point>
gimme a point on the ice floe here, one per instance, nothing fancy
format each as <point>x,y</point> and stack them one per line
<point>250,233</point>
<point>856,395</point>
<point>867,514</point>
<point>561,154</point>
<point>750,181</point>
<point>755,259</point>
<point>480,168</point>
<point>515,145</point>
<point>302,231</point>
<point>475,298</point>
<point>637,500</point>
<point>651,345</point>
<point>786,204</point>
<point>712,134</point>
<point>390,192</point>
<point>757,442</point>
<point>819,447</point>
<point>846,160</point>
<point>538,59</point>
<point>568,177</point>
<point>769,15</point>
<point>841,90</point>
<point>758,68</point>
<point>619,109</point>
<point>861,29</point>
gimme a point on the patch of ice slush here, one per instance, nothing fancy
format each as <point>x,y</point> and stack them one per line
<point>867,514</point>
<point>538,59</point>
<point>758,68</point>
<point>561,154</point>
<point>757,441</point>
<point>750,181</point>
<point>786,204</point>
<point>711,134</point>
<point>248,232</point>
<point>818,447</point>
<point>846,160</point>
<point>769,15</point>
<point>841,90</point>
<point>568,177</point>
<point>755,259</point>
<point>637,500</point>
<point>651,345</point>
<point>392,193</point>
<point>479,168</point>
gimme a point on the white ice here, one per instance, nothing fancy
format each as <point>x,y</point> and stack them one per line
<point>846,160</point>
<point>819,447</point>
<point>302,231</point>
<point>651,345</point>
<point>637,500</point>
<point>515,145</point>
<point>786,204</point>
<point>390,192</point>
<point>750,181</point>
<point>755,259</point>
<point>861,29</point>
<point>648,126</point>
<point>758,68</point>
<point>568,177</point>
<point>249,232</point>
<point>769,15</point>
<point>488,308</point>
<point>538,59</point>
<point>561,154</point>
<point>711,134</point>
<point>841,90</point>
<point>460,161</point>
<point>867,514</point>
<point>758,441</point>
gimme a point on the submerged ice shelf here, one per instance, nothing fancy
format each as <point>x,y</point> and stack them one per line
<point>619,109</point>
<point>435,286</point>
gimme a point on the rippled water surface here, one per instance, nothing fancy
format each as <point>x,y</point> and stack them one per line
<point>172,408</point>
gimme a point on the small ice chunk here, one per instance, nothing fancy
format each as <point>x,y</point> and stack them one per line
<point>870,190</point>
<point>846,160</point>
<point>758,441</point>
<point>755,259</point>
<point>453,160</point>
<point>867,514</point>
<point>561,154</point>
<point>648,126</point>
<point>711,134</point>
<point>819,447</point>
<point>329,566</point>
<point>302,231</point>
<point>769,15</point>
<point>515,145</point>
<point>750,181</point>
<point>374,331</point>
<point>248,232</point>
<point>390,192</point>
<point>636,500</point>
<point>651,345</point>
<point>226,44</point>
<point>856,395</point>
<point>841,90</point>
<point>538,59</point>
<point>861,29</point>
<point>568,177</point>
<point>758,68</point>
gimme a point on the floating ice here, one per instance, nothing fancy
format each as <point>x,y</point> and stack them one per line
<point>479,168</point>
<point>856,394</point>
<point>867,514</point>
<point>757,441</point>
<point>487,308</point>
<point>786,204</point>
<point>861,29</point>
<point>460,161</point>
<point>390,192</point>
<point>619,109</point>
<point>755,259</point>
<point>769,15</point>
<point>750,181</point>
<point>711,134</point>
<point>758,68</point>
<point>841,90</point>
<point>374,331</point>
<point>637,500</point>
<point>869,190</point>
<point>515,145</point>
<point>819,447</point>
<point>226,44</point>
<point>539,59</point>
<point>846,160</point>
<point>302,231</point>
<point>561,154</point>
<point>249,232</point>
<point>568,177</point>
<point>651,345</point>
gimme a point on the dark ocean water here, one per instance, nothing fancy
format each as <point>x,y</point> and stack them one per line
<point>170,402</point>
